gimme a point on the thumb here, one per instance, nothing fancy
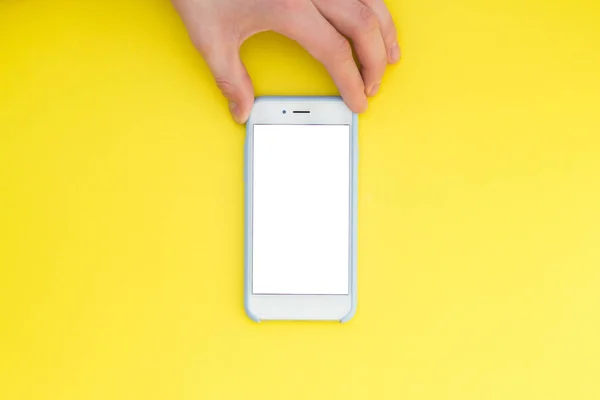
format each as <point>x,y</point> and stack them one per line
<point>232,79</point>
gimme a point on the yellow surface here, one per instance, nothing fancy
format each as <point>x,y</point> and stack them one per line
<point>121,205</point>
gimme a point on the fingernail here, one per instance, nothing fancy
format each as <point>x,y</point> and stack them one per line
<point>395,53</point>
<point>233,109</point>
<point>374,89</point>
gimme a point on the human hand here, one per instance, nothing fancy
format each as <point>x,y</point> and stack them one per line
<point>323,27</point>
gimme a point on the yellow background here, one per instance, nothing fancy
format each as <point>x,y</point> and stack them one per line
<point>121,211</point>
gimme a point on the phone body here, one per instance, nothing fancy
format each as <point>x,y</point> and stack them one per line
<point>301,163</point>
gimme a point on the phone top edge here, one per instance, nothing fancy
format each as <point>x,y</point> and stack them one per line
<point>297,98</point>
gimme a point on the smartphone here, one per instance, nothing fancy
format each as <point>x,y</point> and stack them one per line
<point>301,159</point>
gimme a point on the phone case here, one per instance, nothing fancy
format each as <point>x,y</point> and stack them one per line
<point>248,206</point>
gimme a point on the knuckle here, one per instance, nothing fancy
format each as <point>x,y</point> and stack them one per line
<point>370,3</point>
<point>343,49</point>
<point>226,87</point>
<point>367,20</point>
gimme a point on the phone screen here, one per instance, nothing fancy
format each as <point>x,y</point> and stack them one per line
<point>301,209</point>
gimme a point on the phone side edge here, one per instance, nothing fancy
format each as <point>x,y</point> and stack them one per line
<point>248,224</point>
<point>354,241</point>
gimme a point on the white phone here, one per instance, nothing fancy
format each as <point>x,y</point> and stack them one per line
<point>301,160</point>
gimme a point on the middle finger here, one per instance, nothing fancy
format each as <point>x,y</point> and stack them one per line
<point>358,22</point>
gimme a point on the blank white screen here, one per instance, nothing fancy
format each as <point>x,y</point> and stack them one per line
<point>301,209</point>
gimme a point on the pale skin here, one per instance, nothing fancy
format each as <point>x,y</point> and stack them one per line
<point>327,29</point>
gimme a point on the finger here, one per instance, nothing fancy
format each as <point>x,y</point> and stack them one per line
<point>231,76</point>
<point>311,30</point>
<point>387,27</point>
<point>358,22</point>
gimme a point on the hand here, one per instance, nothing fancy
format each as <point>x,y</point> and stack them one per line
<point>323,27</point>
